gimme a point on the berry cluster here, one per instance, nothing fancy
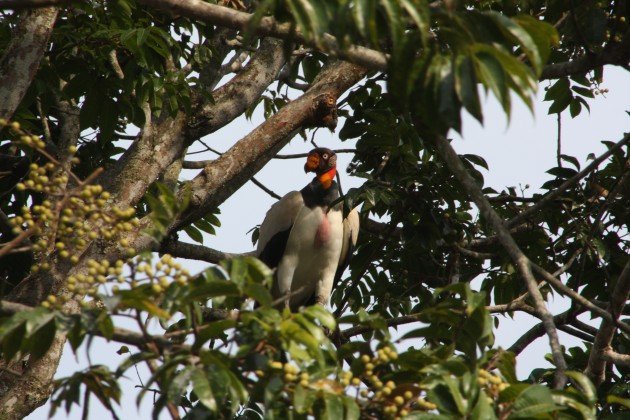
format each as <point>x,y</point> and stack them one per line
<point>166,269</point>
<point>492,384</point>
<point>68,218</point>
<point>291,373</point>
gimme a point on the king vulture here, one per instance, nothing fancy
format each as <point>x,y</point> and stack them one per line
<point>306,241</point>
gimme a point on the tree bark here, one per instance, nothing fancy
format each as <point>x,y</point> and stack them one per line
<point>21,59</point>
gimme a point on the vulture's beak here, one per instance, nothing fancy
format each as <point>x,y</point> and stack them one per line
<point>312,163</point>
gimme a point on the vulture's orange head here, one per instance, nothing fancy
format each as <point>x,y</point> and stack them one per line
<point>320,161</point>
<point>323,162</point>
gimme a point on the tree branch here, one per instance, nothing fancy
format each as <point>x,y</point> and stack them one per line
<point>450,157</point>
<point>596,364</point>
<point>31,4</point>
<point>232,99</point>
<point>164,139</point>
<point>223,176</point>
<point>21,58</point>
<point>268,26</point>
<point>577,298</point>
<point>537,331</point>
<point>616,358</point>
<point>614,53</point>
<point>303,155</point>
<point>546,199</point>
<point>196,252</point>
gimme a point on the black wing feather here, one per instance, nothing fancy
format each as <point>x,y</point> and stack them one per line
<point>274,249</point>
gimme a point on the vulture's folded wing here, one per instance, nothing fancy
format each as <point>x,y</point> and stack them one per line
<point>275,229</point>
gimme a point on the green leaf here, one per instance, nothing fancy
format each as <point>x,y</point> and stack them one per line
<point>483,409</point>
<point>205,226</point>
<point>491,74</point>
<point>212,288</point>
<point>572,160</point>
<point>353,412</point>
<point>360,10</point>
<point>194,234</point>
<point>322,315</point>
<point>543,34</point>
<point>560,94</point>
<point>533,401</point>
<point>575,107</point>
<point>419,13</point>
<point>393,13</point>
<point>202,389</point>
<point>131,299</point>
<point>466,88</point>
<point>615,399</point>
<point>40,340</point>
<point>520,37</point>
<point>211,331</point>
<point>334,407</point>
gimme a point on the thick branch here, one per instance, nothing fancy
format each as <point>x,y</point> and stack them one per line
<point>31,4</point>
<point>21,59</point>
<point>223,176</point>
<point>268,26</point>
<point>616,358</point>
<point>195,252</point>
<point>162,141</point>
<point>614,53</point>
<point>233,98</point>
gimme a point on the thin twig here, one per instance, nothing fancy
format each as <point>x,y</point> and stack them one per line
<point>530,211</point>
<point>559,142</point>
<point>303,155</point>
<point>264,188</point>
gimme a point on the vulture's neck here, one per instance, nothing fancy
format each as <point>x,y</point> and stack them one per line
<point>322,190</point>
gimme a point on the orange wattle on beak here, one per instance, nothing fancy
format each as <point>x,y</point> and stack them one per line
<point>327,177</point>
<point>312,163</point>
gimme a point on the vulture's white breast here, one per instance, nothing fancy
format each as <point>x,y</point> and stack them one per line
<point>307,265</point>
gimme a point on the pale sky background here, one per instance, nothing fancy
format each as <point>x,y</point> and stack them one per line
<point>517,153</point>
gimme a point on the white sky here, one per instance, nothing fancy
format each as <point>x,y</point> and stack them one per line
<point>517,153</point>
